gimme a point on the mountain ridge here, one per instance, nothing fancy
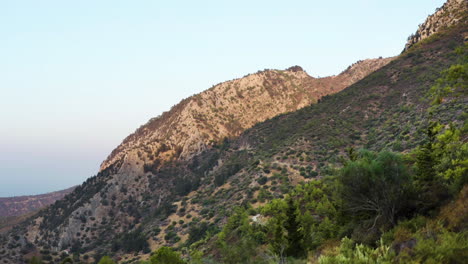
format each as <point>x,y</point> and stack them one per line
<point>225,110</point>
<point>129,204</point>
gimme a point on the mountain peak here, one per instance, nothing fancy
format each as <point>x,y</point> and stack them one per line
<point>227,109</point>
<point>295,68</point>
<point>451,12</point>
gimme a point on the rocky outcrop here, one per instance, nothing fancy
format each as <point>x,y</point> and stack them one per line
<point>449,14</point>
<point>228,109</point>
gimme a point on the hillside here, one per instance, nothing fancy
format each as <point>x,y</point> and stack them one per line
<point>19,205</point>
<point>126,190</point>
<point>188,190</point>
<point>229,108</point>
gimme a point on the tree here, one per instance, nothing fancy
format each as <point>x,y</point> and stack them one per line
<point>165,255</point>
<point>276,226</point>
<point>451,149</point>
<point>197,232</point>
<point>374,188</point>
<point>295,237</point>
<point>429,187</point>
<point>67,260</point>
<point>133,241</point>
<point>425,159</point>
<point>35,260</point>
<point>106,260</point>
<point>236,242</point>
<point>454,82</point>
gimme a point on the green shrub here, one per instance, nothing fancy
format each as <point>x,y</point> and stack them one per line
<point>106,260</point>
<point>349,253</point>
<point>166,255</point>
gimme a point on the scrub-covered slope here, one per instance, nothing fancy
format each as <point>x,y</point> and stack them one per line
<point>158,194</point>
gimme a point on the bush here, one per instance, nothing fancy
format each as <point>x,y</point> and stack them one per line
<point>349,253</point>
<point>166,255</point>
<point>133,241</point>
<point>375,188</point>
<point>106,260</point>
<point>262,180</point>
<point>232,166</point>
<point>197,232</point>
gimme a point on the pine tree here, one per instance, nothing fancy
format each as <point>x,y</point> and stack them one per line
<point>295,247</point>
<point>429,188</point>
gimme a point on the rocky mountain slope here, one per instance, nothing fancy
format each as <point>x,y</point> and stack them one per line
<point>452,12</point>
<point>19,205</point>
<point>228,109</point>
<point>138,179</point>
<point>130,185</point>
<point>137,203</point>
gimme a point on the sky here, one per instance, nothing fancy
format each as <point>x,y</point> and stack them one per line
<point>77,77</point>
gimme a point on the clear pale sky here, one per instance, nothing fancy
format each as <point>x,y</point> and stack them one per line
<point>76,77</point>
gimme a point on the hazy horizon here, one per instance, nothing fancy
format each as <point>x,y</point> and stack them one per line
<point>77,78</point>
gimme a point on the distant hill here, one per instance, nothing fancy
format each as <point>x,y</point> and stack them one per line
<point>19,205</point>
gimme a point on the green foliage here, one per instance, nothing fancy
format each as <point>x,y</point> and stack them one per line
<point>35,260</point>
<point>425,157</point>
<point>445,247</point>
<point>429,188</point>
<point>349,253</point>
<point>455,214</point>
<point>134,241</point>
<point>375,188</point>
<point>441,165</point>
<point>234,164</point>
<point>451,151</point>
<point>421,240</point>
<point>67,260</point>
<point>106,260</point>
<point>166,255</point>
<point>239,239</point>
<point>301,221</point>
<point>262,180</point>
<point>454,82</point>
<point>198,231</point>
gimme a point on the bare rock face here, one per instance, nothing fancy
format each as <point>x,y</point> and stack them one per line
<point>228,109</point>
<point>449,14</point>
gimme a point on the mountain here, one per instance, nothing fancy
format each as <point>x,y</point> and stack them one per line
<point>228,109</point>
<point>19,205</point>
<point>127,187</point>
<point>193,181</point>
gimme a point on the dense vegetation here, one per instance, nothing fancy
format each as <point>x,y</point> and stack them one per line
<point>378,208</point>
